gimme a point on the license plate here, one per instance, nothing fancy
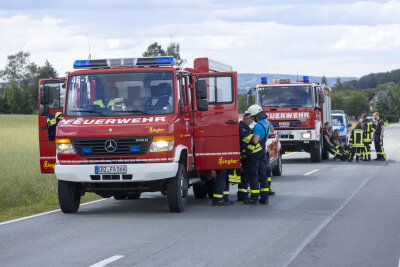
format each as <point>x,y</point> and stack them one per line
<point>115,169</point>
<point>283,132</point>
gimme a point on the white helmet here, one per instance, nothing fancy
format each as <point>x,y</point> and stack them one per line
<point>253,110</point>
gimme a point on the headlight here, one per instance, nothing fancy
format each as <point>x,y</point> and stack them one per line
<point>64,146</point>
<point>306,135</point>
<point>162,144</point>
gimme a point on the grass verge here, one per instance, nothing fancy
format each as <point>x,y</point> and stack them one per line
<point>24,190</point>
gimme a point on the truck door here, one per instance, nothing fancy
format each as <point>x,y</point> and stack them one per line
<point>216,131</point>
<point>56,103</point>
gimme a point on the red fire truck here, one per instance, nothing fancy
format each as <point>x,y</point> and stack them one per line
<point>298,111</point>
<point>134,125</point>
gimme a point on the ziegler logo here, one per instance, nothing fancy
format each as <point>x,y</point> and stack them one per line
<point>222,161</point>
<point>153,130</point>
<point>47,165</point>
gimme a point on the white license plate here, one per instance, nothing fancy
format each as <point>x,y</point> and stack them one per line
<point>115,169</point>
<point>283,132</point>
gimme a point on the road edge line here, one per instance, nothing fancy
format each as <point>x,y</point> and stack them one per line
<point>330,218</point>
<point>44,213</point>
<point>311,172</point>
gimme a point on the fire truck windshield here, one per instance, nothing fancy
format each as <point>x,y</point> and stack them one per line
<point>120,94</point>
<point>285,96</point>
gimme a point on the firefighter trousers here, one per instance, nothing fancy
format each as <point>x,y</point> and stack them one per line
<point>221,186</point>
<point>356,151</point>
<point>269,174</point>
<point>380,151</point>
<point>367,150</point>
<point>257,174</point>
<point>243,187</point>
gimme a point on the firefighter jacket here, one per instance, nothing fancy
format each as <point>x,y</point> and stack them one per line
<point>245,137</point>
<point>357,137</point>
<point>368,128</point>
<point>52,121</point>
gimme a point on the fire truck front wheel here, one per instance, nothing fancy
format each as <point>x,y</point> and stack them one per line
<point>177,190</point>
<point>316,151</point>
<point>69,196</point>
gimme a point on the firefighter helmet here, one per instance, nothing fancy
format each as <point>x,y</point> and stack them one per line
<point>253,110</point>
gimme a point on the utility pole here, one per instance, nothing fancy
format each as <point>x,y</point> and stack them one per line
<point>87,36</point>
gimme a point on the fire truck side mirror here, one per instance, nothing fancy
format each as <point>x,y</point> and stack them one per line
<point>201,89</point>
<point>321,98</point>
<point>44,95</point>
<point>202,105</point>
<point>250,95</point>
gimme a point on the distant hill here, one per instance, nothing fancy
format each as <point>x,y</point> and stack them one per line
<point>372,80</point>
<point>252,79</point>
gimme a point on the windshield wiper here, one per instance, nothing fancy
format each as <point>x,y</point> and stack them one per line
<point>272,106</point>
<point>88,111</point>
<point>132,111</point>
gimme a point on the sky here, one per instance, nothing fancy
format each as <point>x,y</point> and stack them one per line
<point>332,38</point>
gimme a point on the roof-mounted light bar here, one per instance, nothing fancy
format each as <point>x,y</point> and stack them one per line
<point>124,62</point>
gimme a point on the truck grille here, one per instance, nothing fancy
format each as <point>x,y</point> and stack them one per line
<point>124,146</point>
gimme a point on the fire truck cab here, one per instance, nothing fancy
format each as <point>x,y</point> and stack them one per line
<point>133,125</point>
<point>298,111</point>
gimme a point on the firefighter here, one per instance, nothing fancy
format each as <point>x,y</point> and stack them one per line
<point>52,121</point>
<point>327,144</point>
<point>245,136</point>
<point>221,188</point>
<point>368,127</point>
<point>378,137</point>
<point>257,172</point>
<point>340,150</point>
<point>357,142</point>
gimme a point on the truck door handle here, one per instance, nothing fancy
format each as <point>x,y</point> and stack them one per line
<point>231,122</point>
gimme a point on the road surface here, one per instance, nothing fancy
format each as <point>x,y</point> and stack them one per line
<point>327,214</point>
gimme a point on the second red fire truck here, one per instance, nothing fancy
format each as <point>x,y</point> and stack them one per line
<point>298,111</point>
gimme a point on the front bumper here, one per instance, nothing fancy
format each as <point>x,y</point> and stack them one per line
<point>297,135</point>
<point>140,172</point>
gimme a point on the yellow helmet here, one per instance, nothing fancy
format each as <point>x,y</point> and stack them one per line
<point>253,110</point>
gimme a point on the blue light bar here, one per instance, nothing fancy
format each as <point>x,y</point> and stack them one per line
<point>87,150</point>
<point>124,62</point>
<point>81,64</point>
<point>306,79</point>
<point>264,80</point>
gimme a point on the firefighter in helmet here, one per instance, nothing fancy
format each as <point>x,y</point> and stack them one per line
<point>368,127</point>
<point>357,142</point>
<point>257,171</point>
<point>378,137</point>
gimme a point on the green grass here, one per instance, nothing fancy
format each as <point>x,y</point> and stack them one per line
<point>24,190</point>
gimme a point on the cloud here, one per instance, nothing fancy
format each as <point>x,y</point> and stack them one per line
<point>344,38</point>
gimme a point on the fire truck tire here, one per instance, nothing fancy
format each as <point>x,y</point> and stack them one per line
<point>277,170</point>
<point>315,152</point>
<point>120,196</point>
<point>199,191</point>
<point>134,195</point>
<point>177,190</point>
<point>69,196</point>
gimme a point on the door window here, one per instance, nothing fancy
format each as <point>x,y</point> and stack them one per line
<point>219,89</point>
<point>56,95</point>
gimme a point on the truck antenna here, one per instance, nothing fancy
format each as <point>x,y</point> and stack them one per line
<point>87,36</point>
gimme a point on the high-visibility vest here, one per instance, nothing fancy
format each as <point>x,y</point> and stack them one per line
<point>100,103</point>
<point>357,137</point>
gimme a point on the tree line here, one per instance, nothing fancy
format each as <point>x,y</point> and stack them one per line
<point>19,91</point>
<point>353,96</point>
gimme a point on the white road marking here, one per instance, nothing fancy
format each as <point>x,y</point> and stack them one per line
<point>310,172</point>
<point>107,261</point>
<point>45,213</point>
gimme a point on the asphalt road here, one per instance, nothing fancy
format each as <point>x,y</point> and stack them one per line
<point>327,214</point>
